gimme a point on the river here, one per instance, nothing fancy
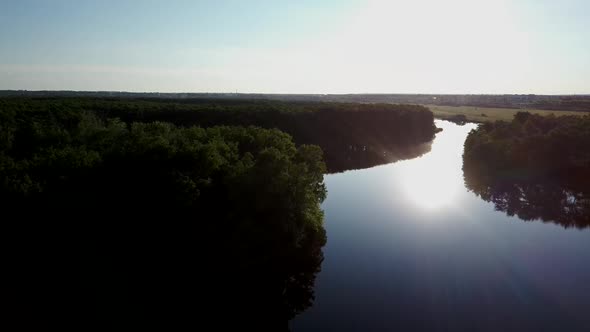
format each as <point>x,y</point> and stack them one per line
<point>411,248</point>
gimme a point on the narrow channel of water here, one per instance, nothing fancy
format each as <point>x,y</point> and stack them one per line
<point>410,248</point>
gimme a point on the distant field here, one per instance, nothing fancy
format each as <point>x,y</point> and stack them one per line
<point>483,114</point>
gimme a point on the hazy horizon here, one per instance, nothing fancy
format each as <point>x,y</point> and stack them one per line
<point>308,47</point>
<point>294,94</point>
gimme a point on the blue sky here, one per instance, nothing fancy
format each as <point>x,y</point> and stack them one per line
<point>350,46</point>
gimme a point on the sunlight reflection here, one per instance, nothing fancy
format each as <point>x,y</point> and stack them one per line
<point>432,191</point>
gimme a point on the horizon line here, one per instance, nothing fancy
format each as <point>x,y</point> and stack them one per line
<point>292,94</point>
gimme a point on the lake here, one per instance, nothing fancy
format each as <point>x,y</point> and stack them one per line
<point>410,248</point>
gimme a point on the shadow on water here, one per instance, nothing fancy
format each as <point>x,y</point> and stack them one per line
<point>562,198</point>
<point>359,156</point>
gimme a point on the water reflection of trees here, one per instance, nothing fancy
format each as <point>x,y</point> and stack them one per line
<point>534,167</point>
<point>358,156</point>
<point>563,199</point>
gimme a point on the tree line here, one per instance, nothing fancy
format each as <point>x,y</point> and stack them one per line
<point>535,167</point>
<point>386,131</point>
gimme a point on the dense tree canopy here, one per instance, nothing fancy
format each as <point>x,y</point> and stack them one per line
<point>535,167</point>
<point>384,133</point>
<point>537,144</point>
<point>149,224</point>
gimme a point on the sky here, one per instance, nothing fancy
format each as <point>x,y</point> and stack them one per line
<point>304,46</point>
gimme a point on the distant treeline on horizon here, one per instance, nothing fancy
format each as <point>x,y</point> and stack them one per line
<point>574,102</point>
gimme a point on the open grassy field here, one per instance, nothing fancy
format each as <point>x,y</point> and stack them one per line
<point>484,114</point>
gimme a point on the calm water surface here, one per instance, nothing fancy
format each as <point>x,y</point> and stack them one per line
<point>410,248</point>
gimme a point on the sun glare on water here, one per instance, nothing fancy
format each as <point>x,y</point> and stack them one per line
<point>434,181</point>
<point>429,190</point>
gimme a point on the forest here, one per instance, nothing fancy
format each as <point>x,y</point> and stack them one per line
<point>135,213</point>
<point>351,135</point>
<point>146,224</point>
<point>535,167</point>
